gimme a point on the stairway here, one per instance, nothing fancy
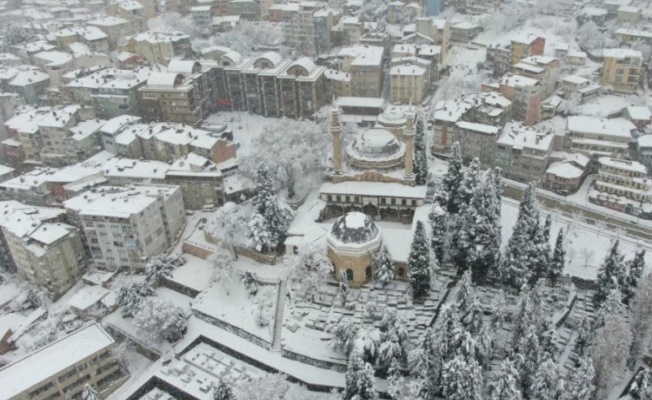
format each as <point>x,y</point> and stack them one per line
<point>278,321</point>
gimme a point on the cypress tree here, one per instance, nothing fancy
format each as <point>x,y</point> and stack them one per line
<point>611,274</point>
<point>452,180</point>
<point>558,260</point>
<point>419,263</point>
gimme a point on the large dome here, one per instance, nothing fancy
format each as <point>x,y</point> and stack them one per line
<point>393,117</point>
<point>376,143</point>
<point>355,228</point>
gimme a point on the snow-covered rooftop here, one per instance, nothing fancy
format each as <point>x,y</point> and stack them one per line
<point>519,136</point>
<point>117,202</point>
<point>639,113</point>
<point>625,165</point>
<point>618,127</point>
<point>622,53</point>
<point>565,170</point>
<point>51,359</point>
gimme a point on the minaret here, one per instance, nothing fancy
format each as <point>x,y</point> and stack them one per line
<point>336,131</point>
<point>408,133</point>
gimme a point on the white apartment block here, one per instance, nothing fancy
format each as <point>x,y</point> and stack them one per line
<point>597,137</point>
<point>48,254</point>
<point>624,178</point>
<point>124,226</point>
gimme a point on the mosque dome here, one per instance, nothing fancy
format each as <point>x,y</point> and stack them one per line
<point>354,228</point>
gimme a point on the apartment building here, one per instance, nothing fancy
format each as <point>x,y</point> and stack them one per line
<point>323,21</point>
<point>645,151</point>
<point>168,96</point>
<point>92,36</point>
<point>624,178</point>
<point>477,141</point>
<point>526,95</point>
<point>438,31</point>
<point>571,85</point>
<point>487,108</point>
<point>62,368</point>
<point>543,68</point>
<point>523,153</point>
<point>114,27</point>
<point>49,255</point>
<point>299,27</point>
<point>598,137</point>
<point>629,15</point>
<point>249,10</point>
<point>627,35</point>
<point>566,172</point>
<point>365,64</point>
<point>202,17</point>
<point>408,82</point>
<point>28,81</point>
<point>29,188</point>
<point>9,102</point>
<point>622,69</point>
<point>158,47</point>
<point>503,56</point>
<point>124,226</point>
<point>133,11</point>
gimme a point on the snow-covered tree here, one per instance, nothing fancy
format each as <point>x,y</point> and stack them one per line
<point>426,363</point>
<point>528,359</point>
<point>384,266</point>
<point>161,266</point>
<point>287,148</point>
<point>276,214</point>
<point>462,380</point>
<point>419,263</point>
<point>223,391</point>
<point>344,334</point>
<point>547,384</point>
<point>268,386</point>
<point>359,379</point>
<point>548,340</point>
<point>158,319</point>
<point>470,183</point>
<point>580,381</point>
<point>395,339</point>
<point>504,386</point>
<point>476,243</point>
<point>612,273</point>
<point>584,337</point>
<point>250,38</point>
<point>590,37</point>
<point>523,254</point>
<point>469,308</point>
<point>89,393</point>
<point>641,386</point>
<point>609,352</point>
<point>130,296</point>
<point>612,305</point>
<point>558,260</point>
<point>344,287</point>
<point>367,343</point>
<point>641,307</point>
<point>313,267</point>
<point>452,180</point>
<point>420,152</point>
<point>497,178</point>
<point>250,282</point>
<point>449,332</point>
<point>439,230</point>
<point>635,268</point>
<point>524,318</point>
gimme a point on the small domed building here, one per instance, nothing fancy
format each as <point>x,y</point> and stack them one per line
<point>353,241</point>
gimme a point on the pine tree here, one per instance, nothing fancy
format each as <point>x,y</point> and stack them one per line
<point>635,268</point>
<point>470,183</point>
<point>528,360</point>
<point>524,255</point>
<point>465,296</point>
<point>264,191</point>
<point>439,230</point>
<point>583,340</point>
<point>476,243</point>
<point>452,180</point>
<point>419,263</point>
<point>359,379</point>
<point>558,260</point>
<point>505,384</point>
<point>250,282</point>
<point>426,363</point>
<point>276,215</point>
<point>611,274</point>
<point>449,333</point>
<point>384,266</point>
<point>524,319</point>
<point>344,287</point>
<point>547,384</point>
<point>497,178</point>
<point>395,338</point>
<point>548,340</point>
<point>223,392</point>
<point>344,334</point>
<point>394,379</point>
<point>580,382</point>
<point>611,306</point>
<point>462,380</point>
<point>420,152</point>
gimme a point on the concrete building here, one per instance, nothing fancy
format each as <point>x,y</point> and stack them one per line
<point>408,83</point>
<point>136,12</point>
<point>598,137</point>
<point>526,95</point>
<point>299,27</point>
<point>28,81</point>
<point>115,28</point>
<point>62,368</point>
<point>543,68</point>
<point>523,153</point>
<point>158,47</point>
<point>248,10</point>
<point>436,32</point>
<point>503,56</point>
<point>168,96</point>
<point>365,64</point>
<point>566,172</point>
<point>202,17</point>
<point>624,178</point>
<point>622,69</point>
<point>629,15</point>
<point>49,255</point>
<point>92,36</point>
<point>477,141</point>
<point>645,151</point>
<point>487,108</point>
<point>124,226</point>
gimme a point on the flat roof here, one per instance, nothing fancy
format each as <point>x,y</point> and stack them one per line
<point>50,360</point>
<point>380,189</point>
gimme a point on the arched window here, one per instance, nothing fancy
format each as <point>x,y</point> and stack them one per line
<point>401,272</point>
<point>349,274</point>
<point>368,272</point>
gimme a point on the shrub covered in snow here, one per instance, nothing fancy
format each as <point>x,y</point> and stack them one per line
<point>158,319</point>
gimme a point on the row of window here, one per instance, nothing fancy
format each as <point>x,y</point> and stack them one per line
<point>385,201</point>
